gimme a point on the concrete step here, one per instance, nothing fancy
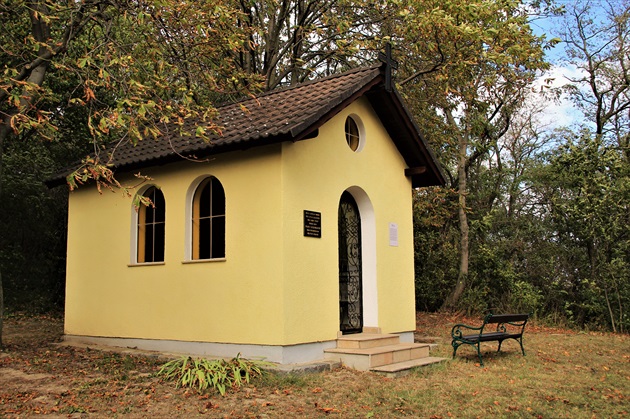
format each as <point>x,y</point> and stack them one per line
<point>366,340</point>
<point>364,359</point>
<point>400,369</point>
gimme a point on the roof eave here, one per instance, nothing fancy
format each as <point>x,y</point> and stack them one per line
<point>175,158</point>
<point>403,130</point>
<point>423,168</point>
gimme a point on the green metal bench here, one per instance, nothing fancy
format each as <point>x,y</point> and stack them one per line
<point>509,326</point>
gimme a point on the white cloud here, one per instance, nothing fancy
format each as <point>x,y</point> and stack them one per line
<point>558,111</point>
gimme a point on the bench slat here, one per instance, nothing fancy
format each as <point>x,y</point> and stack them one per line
<point>506,318</point>
<point>487,337</point>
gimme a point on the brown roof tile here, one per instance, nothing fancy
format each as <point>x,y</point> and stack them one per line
<point>283,115</point>
<point>275,116</point>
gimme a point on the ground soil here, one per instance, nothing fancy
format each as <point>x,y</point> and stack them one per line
<point>41,376</point>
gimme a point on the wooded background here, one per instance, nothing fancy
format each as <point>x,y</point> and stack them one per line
<point>533,218</point>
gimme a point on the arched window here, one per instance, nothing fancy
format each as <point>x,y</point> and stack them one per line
<point>151,221</point>
<point>208,220</point>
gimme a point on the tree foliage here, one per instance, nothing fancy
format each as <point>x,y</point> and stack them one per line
<point>291,41</point>
<point>530,220</point>
<point>468,72</point>
<point>134,66</point>
<point>586,181</point>
<point>127,71</point>
<point>598,45</point>
<point>586,188</point>
<point>547,211</point>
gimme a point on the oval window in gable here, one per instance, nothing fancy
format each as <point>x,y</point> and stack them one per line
<point>355,136</point>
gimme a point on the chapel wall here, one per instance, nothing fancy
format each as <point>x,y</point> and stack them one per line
<point>236,300</point>
<point>316,172</point>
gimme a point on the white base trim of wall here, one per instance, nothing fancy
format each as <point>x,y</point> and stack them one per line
<point>406,337</point>
<point>289,354</point>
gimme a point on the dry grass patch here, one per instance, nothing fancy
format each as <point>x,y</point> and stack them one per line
<point>565,374</point>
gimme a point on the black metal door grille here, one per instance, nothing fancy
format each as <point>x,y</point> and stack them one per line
<point>350,287</point>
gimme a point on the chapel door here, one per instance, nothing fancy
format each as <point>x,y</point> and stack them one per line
<point>350,284</point>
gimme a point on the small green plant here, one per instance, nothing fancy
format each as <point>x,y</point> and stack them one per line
<point>220,374</point>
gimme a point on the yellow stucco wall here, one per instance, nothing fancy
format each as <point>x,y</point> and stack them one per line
<point>275,287</point>
<point>199,301</point>
<point>316,172</point>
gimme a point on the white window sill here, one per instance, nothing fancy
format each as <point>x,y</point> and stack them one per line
<point>186,262</point>
<point>132,265</point>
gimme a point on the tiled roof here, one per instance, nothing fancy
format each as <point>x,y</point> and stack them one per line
<point>274,116</point>
<point>282,115</point>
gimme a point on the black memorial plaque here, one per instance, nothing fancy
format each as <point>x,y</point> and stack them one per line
<point>312,224</point>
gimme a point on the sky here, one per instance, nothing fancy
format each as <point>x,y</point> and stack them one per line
<point>563,113</point>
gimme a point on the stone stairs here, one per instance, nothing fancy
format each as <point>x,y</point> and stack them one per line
<point>381,353</point>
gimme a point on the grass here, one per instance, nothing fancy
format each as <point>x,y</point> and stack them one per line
<point>565,374</point>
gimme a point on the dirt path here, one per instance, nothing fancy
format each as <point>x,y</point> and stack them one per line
<point>40,377</point>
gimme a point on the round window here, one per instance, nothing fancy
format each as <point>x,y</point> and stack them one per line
<point>353,134</point>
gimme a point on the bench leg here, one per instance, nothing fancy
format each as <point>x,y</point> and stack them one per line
<point>477,346</point>
<point>520,342</point>
<point>455,346</point>
<point>479,354</point>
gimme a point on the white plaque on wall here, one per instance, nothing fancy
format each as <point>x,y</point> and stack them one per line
<point>393,234</point>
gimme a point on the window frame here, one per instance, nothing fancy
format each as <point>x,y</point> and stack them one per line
<point>359,134</point>
<point>194,217</point>
<point>140,225</point>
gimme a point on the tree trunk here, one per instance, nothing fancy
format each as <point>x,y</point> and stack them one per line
<point>1,310</point>
<point>41,32</point>
<point>4,131</point>
<point>610,311</point>
<point>462,278</point>
<point>620,310</point>
<point>592,250</point>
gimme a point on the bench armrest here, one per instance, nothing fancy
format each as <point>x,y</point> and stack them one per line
<point>456,331</point>
<point>501,327</point>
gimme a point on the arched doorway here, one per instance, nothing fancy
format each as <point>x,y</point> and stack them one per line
<point>350,266</point>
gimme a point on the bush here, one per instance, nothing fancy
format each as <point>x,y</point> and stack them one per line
<point>474,301</point>
<point>220,374</point>
<point>525,298</point>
